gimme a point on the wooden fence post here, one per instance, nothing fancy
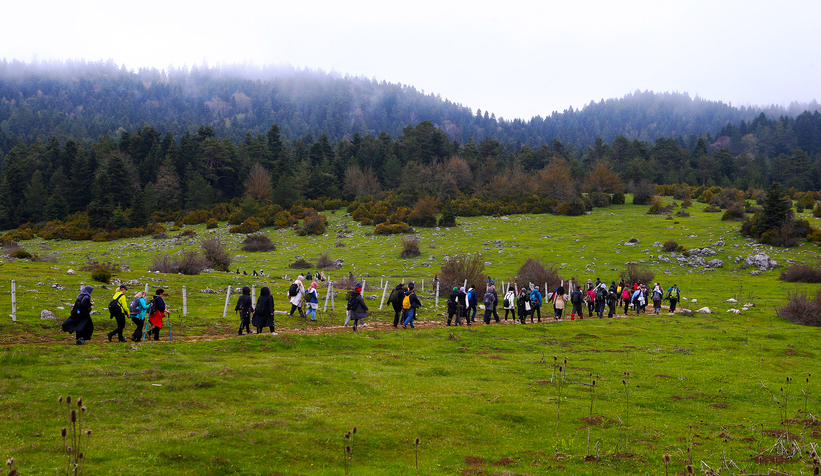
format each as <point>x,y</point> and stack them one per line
<point>327,296</point>
<point>253,293</point>
<point>332,300</point>
<point>383,296</point>
<point>422,289</point>
<point>13,301</point>
<point>227,298</point>
<point>437,293</point>
<point>184,301</point>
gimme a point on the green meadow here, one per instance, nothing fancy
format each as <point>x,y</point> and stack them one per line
<point>710,390</point>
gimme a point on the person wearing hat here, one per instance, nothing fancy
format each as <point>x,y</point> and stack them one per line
<point>535,304</point>
<point>80,321</point>
<point>414,305</point>
<point>453,305</point>
<point>473,303</point>
<point>312,298</point>
<point>357,306</point>
<point>119,312</point>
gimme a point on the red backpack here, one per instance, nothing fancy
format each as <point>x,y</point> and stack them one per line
<point>625,294</point>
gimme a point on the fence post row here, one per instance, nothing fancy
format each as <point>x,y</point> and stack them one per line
<point>184,301</point>
<point>13,301</point>
<point>383,296</point>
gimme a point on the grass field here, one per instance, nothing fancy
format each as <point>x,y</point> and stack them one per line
<point>482,400</point>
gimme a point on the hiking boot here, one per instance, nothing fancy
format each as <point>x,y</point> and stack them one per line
<point>109,337</point>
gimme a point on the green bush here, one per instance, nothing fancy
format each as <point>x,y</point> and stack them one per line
<point>211,224</point>
<point>22,254</point>
<point>617,199</point>
<point>101,274</point>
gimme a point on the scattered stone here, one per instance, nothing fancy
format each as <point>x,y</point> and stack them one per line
<point>686,312</point>
<point>631,242</point>
<point>95,313</point>
<point>715,263</point>
<point>694,300</point>
<point>425,265</point>
<point>58,287</point>
<point>764,262</point>
<point>657,245</point>
<point>734,311</point>
<point>733,300</point>
<point>208,290</point>
<point>71,272</point>
<point>755,272</point>
<point>46,314</point>
<point>704,310</point>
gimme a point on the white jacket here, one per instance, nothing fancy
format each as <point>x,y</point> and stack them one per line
<point>300,292</point>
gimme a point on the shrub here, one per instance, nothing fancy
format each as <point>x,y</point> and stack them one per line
<point>682,213</point>
<point>617,199</point>
<point>656,207</point>
<point>250,225</point>
<point>258,242</point>
<point>314,223</point>
<point>642,191</point>
<point>801,309</point>
<point>410,247</point>
<point>190,263</point>
<point>816,212</point>
<point>300,264</point>
<point>101,274</point>
<point>801,273</point>
<point>735,212</point>
<point>211,224</point>
<point>392,229</point>
<point>215,253</point>
<point>633,274</point>
<point>186,233</point>
<point>705,197</point>
<point>196,217</point>
<point>160,236</point>
<point>712,209</point>
<point>347,282</point>
<point>669,246</point>
<point>459,268</point>
<point>326,263</point>
<point>599,199</point>
<point>538,272</point>
<point>21,254</point>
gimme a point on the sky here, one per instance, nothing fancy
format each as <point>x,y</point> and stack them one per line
<point>516,59</point>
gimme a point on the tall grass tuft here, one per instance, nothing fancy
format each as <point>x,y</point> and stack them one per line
<point>72,436</point>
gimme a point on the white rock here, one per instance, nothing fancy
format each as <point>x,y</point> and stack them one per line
<point>732,300</point>
<point>46,314</point>
<point>71,272</point>
<point>694,300</point>
<point>734,311</point>
<point>704,310</point>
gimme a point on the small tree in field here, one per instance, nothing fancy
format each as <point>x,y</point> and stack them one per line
<point>459,268</point>
<point>537,272</point>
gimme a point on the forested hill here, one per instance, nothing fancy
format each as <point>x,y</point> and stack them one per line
<point>83,100</point>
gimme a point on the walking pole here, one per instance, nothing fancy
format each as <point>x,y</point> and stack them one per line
<point>383,296</point>
<point>13,301</point>
<point>227,298</point>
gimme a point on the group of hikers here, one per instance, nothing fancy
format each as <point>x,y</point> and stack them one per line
<point>462,305</point>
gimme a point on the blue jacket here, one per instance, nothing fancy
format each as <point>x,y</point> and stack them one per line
<point>472,298</point>
<point>143,308</point>
<point>536,297</point>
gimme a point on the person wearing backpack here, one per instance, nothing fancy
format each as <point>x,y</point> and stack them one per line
<point>601,296</point>
<point>577,300</point>
<point>535,304</point>
<point>395,299</point>
<point>638,300</point>
<point>245,306</point>
<point>657,295</point>
<point>453,305</point>
<point>673,295</point>
<point>264,311</point>
<point>509,303</point>
<point>490,304</point>
<point>357,306</point>
<point>295,294</point>
<point>157,315</point>
<point>523,305</point>
<point>612,297</point>
<point>79,322</point>
<point>462,310</point>
<point>136,310</point>
<point>411,304</point>
<point>312,300</point>
<point>473,303</point>
<point>118,309</point>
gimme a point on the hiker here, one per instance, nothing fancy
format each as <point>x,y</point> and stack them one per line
<point>309,277</point>
<point>625,298</point>
<point>657,295</point>
<point>462,310</point>
<point>118,308</point>
<point>612,297</point>
<point>410,303</point>
<point>255,273</point>
<point>312,299</point>
<point>600,296</point>
<point>619,289</point>
<point>137,309</point>
<point>510,303</point>
<point>322,275</point>
<point>559,301</point>
<point>673,295</point>
<point>453,305</point>
<point>590,298</point>
<point>295,295</point>
<point>245,306</point>
<point>158,313</point>
<point>79,322</point>
<point>523,305</point>
<point>645,295</point>
<point>490,304</point>
<point>264,311</point>
<point>638,300</point>
<point>357,306</point>
<point>395,299</point>
<point>577,300</point>
<point>535,304</point>
<point>473,303</point>
<point>495,301</point>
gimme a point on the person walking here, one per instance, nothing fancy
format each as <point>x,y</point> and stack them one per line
<point>495,302</point>
<point>357,306</point>
<point>523,305</point>
<point>625,298</point>
<point>157,315</point>
<point>559,302</point>
<point>657,294</point>
<point>577,300</point>
<point>601,297</point>
<point>79,322</point>
<point>673,295</point>
<point>414,305</point>
<point>119,312</point>
<point>245,306</point>
<point>312,300</point>
<point>473,303</point>
<point>612,298</point>
<point>590,298</point>
<point>395,299</point>
<point>638,300</point>
<point>510,303</point>
<point>462,308</point>
<point>535,304</point>
<point>295,294</point>
<point>264,311</point>
<point>137,309</point>
<point>489,300</point>
<point>453,305</point>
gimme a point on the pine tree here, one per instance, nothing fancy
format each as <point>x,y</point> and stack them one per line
<point>777,208</point>
<point>139,216</point>
<point>200,193</point>
<point>101,208</point>
<point>35,198</point>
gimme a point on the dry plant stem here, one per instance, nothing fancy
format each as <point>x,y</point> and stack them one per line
<point>558,413</point>
<point>590,418</point>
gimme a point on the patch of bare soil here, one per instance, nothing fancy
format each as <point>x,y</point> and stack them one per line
<point>662,376</point>
<point>474,460</point>
<point>590,458</point>
<point>769,459</point>
<point>596,420</point>
<point>719,405</point>
<point>781,433</point>
<point>504,462</point>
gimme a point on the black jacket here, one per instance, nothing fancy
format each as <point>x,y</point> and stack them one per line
<point>414,300</point>
<point>264,311</point>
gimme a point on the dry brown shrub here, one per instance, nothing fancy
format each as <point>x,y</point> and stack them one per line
<point>459,268</point>
<point>634,273</point>
<point>258,242</point>
<point>300,264</point>
<point>538,272</point>
<point>410,247</point>
<point>802,309</point>
<point>326,263</point>
<point>801,273</point>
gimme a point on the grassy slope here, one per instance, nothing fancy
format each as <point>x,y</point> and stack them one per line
<point>264,404</point>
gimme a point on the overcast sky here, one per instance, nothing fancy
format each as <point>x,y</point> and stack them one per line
<point>510,57</point>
